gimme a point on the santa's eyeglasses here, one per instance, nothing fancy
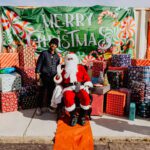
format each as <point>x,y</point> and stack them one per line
<point>69,58</point>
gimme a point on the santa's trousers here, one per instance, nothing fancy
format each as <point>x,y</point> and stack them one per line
<point>69,99</point>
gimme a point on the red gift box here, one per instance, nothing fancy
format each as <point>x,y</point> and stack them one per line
<point>28,76</point>
<point>115,103</point>
<point>9,60</point>
<point>26,56</point>
<point>97,67</point>
<point>140,62</point>
<point>97,105</point>
<point>9,101</point>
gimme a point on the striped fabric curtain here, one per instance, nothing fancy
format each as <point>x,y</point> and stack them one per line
<point>148,42</point>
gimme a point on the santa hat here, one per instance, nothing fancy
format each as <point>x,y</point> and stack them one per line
<point>72,55</point>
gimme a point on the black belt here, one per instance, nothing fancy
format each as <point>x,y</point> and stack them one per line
<point>74,83</point>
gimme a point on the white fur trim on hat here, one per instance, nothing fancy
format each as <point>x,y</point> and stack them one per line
<point>88,83</point>
<point>85,107</point>
<point>58,80</point>
<point>71,108</point>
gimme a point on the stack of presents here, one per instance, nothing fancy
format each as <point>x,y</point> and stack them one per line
<point>121,88</point>
<point>18,89</point>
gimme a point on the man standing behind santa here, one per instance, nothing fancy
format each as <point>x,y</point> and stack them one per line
<point>75,82</point>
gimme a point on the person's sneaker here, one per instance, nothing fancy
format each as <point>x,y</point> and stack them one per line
<point>82,121</point>
<point>52,109</point>
<point>73,120</point>
<point>38,111</point>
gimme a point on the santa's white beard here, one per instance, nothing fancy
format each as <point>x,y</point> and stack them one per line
<point>71,69</point>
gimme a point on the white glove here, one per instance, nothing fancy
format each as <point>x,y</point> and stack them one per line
<point>59,70</point>
<point>86,88</point>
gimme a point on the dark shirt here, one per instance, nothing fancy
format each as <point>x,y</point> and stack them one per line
<point>47,64</point>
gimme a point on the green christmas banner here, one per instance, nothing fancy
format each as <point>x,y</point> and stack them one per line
<point>92,32</point>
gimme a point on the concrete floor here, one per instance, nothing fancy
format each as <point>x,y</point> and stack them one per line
<point>26,124</point>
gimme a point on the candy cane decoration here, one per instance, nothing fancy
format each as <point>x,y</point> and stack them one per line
<point>14,20</point>
<point>107,13</point>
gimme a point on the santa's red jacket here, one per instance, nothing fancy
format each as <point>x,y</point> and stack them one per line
<point>82,77</point>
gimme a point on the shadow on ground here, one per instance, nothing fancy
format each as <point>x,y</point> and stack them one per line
<point>121,126</point>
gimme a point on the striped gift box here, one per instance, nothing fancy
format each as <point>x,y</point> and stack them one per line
<point>9,101</point>
<point>121,60</point>
<point>115,103</point>
<point>26,57</point>
<point>9,60</point>
<point>140,62</point>
<point>139,73</point>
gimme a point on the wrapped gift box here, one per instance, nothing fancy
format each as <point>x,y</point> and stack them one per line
<point>139,73</point>
<point>115,78</point>
<point>97,105</point>
<point>28,97</point>
<point>97,67</point>
<point>100,89</point>
<point>128,98</point>
<point>26,56</point>
<point>115,103</point>
<point>94,80</point>
<point>147,91</point>
<point>9,60</point>
<point>28,76</point>
<point>137,91</point>
<point>9,101</point>
<point>10,82</point>
<point>28,91</point>
<point>140,62</point>
<point>143,109</point>
<point>125,73</point>
<point>121,60</point>
<point>28,102</point>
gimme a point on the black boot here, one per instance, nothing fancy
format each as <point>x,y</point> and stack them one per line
<point>73,118</point>
<point>82,117</point>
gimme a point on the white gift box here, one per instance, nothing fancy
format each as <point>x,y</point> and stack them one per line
<point>10,82</point>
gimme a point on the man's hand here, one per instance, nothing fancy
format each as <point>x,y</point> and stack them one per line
<point>37,77</point>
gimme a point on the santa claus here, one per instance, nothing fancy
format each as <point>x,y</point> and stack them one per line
<point>75,82</point>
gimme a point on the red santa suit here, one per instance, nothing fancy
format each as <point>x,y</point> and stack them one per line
<point>68,83</point>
